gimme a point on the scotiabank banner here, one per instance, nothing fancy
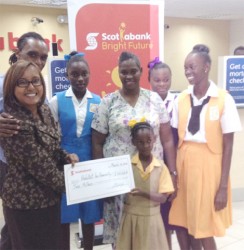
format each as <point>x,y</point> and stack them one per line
<point>103,30</point>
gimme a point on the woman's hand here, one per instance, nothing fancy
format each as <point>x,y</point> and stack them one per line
<point>167,140</point>
<point>174,194</point>
<point>220,201</point>
<point>72,158</point>
<point>9,126</point>
<point>221,196</point>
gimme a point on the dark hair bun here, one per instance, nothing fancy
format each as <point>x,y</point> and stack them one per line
<point>200,48</point>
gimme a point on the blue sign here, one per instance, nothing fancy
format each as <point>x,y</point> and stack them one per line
<point>235,78</point>
<point>59,81</point>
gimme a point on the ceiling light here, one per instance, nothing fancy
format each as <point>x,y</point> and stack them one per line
<point>48,2</point>
<point>62,19</point>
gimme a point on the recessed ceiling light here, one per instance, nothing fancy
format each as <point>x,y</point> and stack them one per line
<point>214,16</point>
<point>48,2</point>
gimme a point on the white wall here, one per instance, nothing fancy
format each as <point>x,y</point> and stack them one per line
<point>183,34</point>
<point>236,34</point>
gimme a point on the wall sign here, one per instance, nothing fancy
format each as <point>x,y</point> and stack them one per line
<point>231,77</point>
<point>58,79</point>
<point>103,29</point>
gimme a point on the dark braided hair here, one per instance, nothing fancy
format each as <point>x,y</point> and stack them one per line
<point>138,126</point>
<point>22,42</point>
<point>125,55</point>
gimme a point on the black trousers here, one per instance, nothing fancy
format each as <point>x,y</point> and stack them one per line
<point>35,229</point>
<point>3,169</point>
<point>5,241</point>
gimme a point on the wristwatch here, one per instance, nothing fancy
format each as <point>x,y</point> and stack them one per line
<point>173,173</point>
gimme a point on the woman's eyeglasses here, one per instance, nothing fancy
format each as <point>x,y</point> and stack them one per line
<point>23,83</point>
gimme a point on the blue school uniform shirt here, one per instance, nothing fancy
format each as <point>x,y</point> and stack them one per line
<point>91,211</point>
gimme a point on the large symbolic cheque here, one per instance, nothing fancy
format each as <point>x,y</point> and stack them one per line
<point>96,179</point>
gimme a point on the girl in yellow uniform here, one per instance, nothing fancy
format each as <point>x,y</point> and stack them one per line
<point>206,119</point>
<point>141,226</point>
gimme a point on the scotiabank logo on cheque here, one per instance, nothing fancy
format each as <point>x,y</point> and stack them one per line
<point>120,40</point>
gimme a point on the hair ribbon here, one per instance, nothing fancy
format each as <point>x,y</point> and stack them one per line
<point>67,57</point>
<point>152,64</point>
<point>133,122</point>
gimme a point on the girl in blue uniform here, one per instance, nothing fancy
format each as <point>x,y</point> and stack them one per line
<point>74,109</point>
